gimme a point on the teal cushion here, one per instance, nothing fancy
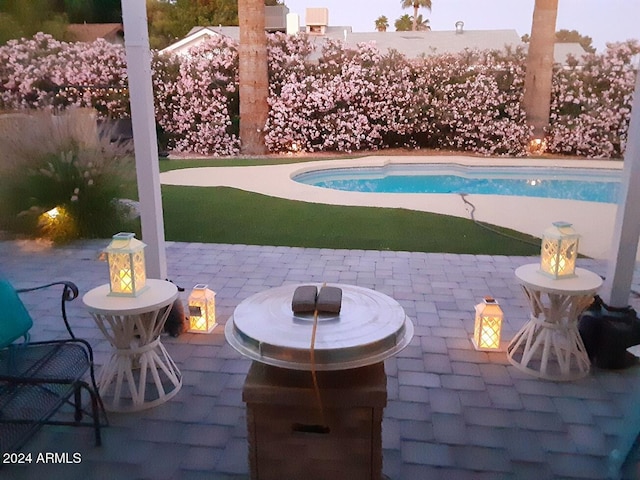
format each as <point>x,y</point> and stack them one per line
<point>15,321</point>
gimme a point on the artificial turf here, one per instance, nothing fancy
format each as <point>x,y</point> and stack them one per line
<point>227,215</point>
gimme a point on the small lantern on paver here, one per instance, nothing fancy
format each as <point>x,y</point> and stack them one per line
<point>559,251</point>
<point>202,309</point>
<point>488,325</point>
<point>127,274</point>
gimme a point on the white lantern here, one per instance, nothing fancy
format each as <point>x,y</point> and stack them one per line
<point>488,325</point>
<point>127,274</point>
<point>202,309</point>
<point>559,251</point>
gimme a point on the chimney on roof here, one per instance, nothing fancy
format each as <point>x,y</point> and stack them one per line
<point>459,26</point>
<point>275,18</point>
<point>293,24</point>
<point>317,20</point>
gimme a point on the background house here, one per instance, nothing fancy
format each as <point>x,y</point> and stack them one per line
<point>90,32</point>
<point>275,21</point>
<point>411,44</point>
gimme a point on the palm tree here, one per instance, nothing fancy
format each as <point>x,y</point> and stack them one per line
<point>422,24</point>
<point>537,84</point>
<point>416,4</point>
<point>403,24</point>
<point>382,23</point>
<point>252,76</point>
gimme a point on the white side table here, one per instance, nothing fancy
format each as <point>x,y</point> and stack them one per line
<point>140,373</point>
<point>549,344</point>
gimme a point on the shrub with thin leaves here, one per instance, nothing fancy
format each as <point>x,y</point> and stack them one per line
<point>63,162</point>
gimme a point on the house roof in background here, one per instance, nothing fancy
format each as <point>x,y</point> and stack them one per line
<point>411,44</point>
<point>199,34</point>
<point>90,32</point>
<point>415,44</point>
<point>563,50</point>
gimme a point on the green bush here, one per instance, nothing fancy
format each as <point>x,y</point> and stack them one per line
<point>62,164</point>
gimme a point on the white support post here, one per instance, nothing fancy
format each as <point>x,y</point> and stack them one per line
<point>622,257</point>
<point>136,41</point>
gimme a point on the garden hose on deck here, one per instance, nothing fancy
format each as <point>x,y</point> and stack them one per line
<point>487,227</point>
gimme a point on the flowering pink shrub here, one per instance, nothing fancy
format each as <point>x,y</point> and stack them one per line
<point>42,72</point>
<point>477,104</point>
<point>198,105</point>
<point>345,102</point>
<point>591,104</point>
<point>336,97</point>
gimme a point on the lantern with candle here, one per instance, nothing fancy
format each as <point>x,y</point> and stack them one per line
<point>559,251</point>
<point>488,325</point>
<point>202,309</point>
<point>127,274</point>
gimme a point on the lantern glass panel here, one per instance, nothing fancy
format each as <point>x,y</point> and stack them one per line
<point>559,251</point>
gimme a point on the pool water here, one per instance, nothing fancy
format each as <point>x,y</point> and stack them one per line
<point>592,185</point>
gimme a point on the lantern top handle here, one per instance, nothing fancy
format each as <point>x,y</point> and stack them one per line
<point>124,236</point>
<point>124,242</point>
<point>562,224</point>
<point>200,286</point>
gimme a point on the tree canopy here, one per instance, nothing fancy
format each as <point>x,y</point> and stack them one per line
<point>416,4</point>
<point>403,24</point>
<point>168,20</point>
<point>569,36</point>
<point>382,23</point>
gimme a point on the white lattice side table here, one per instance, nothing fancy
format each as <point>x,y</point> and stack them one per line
<point>140,373</point>
<point>549,344</point>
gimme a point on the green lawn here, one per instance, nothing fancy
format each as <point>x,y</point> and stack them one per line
<point>227,215</point>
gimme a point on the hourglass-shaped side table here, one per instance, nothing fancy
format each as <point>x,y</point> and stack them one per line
<point>549,344</point>
<point>140,373</point>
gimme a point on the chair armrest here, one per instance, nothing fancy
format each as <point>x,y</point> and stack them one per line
<point>69,293</point>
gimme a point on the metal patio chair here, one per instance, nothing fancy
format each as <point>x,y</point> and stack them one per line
<point>42,382</point>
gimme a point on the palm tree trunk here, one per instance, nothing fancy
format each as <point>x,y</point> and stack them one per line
<point>415,16</point>
<point>253,76</point>
<point>537,86</point>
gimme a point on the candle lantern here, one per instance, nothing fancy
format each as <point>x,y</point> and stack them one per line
<point>559,251</point>
<point>202,309</point>
<point>127,275</point>
<point>488,325</point>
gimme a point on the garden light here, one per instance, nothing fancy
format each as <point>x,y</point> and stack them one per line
<point>537,146</point>
<point>488,325</point>
<point>559,251</point>
<point>202,309</point>
<point>57,224</point>
<point>53,213</point>
<point>127,274</point>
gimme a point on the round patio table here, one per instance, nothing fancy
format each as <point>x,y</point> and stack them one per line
<point>369,328</point>
<point>335,416</point>
<point>140,373</point>
<point>549,345</point>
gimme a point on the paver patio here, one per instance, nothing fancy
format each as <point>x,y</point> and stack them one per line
<point>452,412</point>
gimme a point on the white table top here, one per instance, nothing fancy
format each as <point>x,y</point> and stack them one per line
<point>585,282</point>
<point>158,294</point>
<point>370,327</point>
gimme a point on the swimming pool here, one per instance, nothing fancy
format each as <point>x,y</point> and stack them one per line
<point>593,185</point>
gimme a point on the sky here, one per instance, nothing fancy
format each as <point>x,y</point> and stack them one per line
<point>603,20</point>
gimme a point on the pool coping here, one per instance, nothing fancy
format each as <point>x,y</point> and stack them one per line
<point>531,215</point>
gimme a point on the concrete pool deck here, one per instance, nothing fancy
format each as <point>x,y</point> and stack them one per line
<point>594,221</point>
